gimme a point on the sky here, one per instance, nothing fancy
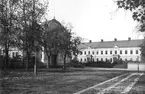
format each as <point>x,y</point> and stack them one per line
<point>94,19</point>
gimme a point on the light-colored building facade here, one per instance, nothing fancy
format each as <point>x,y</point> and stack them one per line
<point>13,52</point>
<point>126,50</point>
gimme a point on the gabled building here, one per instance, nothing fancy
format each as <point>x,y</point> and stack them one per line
<point>126,50</point>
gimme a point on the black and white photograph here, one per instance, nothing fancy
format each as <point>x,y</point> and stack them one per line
<point>72,46</point>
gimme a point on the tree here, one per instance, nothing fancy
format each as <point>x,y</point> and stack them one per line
<point>69,45</point>
<point>58,39</point>
<point>138,9</point>
<point>8,26</point>
<point>31,13</point>
<point>52,38</point>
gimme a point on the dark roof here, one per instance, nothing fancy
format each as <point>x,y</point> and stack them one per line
<point>53,24</point>
<point>111,44</point>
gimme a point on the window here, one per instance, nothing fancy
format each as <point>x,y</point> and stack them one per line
<point>131,59</point>
<point>106,59</point>
<point>106,52</point>
<point>81,60</point>
<point>101,52</point>
<point>131,52</point>
<point>13,54</point>
<point>110,59</point>
<point>110,52</point>
<point>97,52</point>
<point>120,51</point>
<point>17,53</point>
<point>93,59</point>
<point>85,59</point>
<point>81,53</point>
<point>85,52</point>
<point>115,52</point>
<point>101,59</point>
<point>97,59</point>
<point>93,52</point>
<point>125,51</point>
<point>88,52</point>
<point>136,51</point>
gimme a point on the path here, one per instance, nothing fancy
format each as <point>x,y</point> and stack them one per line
<point>119,84</point>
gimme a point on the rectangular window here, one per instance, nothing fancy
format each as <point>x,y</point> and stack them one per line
<point>115,52</point>
<point>136,51</point>
<point>13,54</point>
<point>106,59</point>
<point>131,52</point>
<point>81,59</point>
<point>16,53</point>
<point>97,52</point>
<point>89,52</point>
<point>106,52</point>
<point>120,51</point>
<point>93,52</point>
<point>110,52</point>
<point>101,52</point>
<point>81,53</point>
<point>125,51</point>
<point>85,52</point>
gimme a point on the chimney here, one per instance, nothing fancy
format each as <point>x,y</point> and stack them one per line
<point>90,41</point>
<point>129,38</point>
<point>115,39</point>
<point>102,40</point>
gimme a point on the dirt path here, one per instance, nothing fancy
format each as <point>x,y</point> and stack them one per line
<point>119,84</point>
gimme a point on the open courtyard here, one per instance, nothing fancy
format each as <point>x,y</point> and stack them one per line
<point>78,81</point>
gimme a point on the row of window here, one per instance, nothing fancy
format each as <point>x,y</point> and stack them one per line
<point>111,52</point>
<point>85,59</point>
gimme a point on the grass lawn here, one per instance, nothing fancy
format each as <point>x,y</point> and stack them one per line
<point>52,82</point>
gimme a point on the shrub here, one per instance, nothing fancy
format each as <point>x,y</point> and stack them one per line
<point>76,64</point>
<point>99,64</point>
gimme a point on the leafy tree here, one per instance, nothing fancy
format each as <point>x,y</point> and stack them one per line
<point>31,13</point>
<point>58,39</point>
<point>53,31</point>
<point>138,9</point>
<point>69,45</point>
<point>8,26</point>
<point>138,13</point>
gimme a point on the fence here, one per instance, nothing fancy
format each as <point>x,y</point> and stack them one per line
<point>136,66</point>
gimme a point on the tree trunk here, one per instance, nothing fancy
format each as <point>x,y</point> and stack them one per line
<point>6,58</point>
<point>64,65</point>
<point>27,60</point>
<point>35,65</point>
<point>48,61</point>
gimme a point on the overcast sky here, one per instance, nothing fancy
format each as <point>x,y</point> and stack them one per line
<point>94,19</point>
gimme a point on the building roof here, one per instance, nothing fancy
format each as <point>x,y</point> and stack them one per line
<point>53,25</point>
<point>111,44</point>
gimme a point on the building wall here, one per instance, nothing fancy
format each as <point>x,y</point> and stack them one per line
<point>60,59</point>
<point>13,52</point>
<point>98,55</point>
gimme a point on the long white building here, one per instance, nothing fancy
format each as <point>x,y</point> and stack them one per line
<point>127,50</point>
